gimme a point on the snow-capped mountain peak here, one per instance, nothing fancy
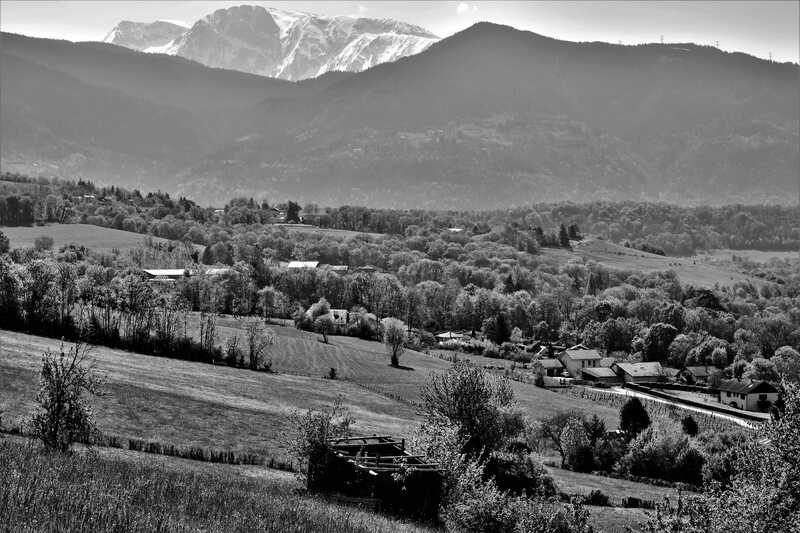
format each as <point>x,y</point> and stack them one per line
<point>277,42</point>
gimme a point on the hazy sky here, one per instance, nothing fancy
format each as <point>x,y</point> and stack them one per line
<point>755,27</point>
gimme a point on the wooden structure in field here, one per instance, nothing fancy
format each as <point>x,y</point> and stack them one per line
<point>378,467</point>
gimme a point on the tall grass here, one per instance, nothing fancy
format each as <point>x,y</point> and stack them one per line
<point>53,492</point>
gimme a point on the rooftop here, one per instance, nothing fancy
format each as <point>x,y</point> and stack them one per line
<point>747,387</point>
<point>583,355</point>
<point>599,372</point>
<point>641,369</point>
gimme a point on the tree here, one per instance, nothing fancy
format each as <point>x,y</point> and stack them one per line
<point>5,245</point>
<point>689,426</point>
<point>394,337</point>
<point>787,363</point>
<point>480,405</point>
<point>658,340</point>
<point>62,414</point>
<point>595,429</point>
<point>293,212</point>
<point>43,242</point>
<point>496,329</point>
<point>563,237</point>
<point>633,417</point>
<point>324,324</point>
<point>258,339</point>
<point>551,429</point>
<point>762,370</point>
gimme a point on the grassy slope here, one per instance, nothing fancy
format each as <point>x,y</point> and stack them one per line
<point>123,491</point>
<point>95,237</point>
<point>699,270</point>
<point>194,404</point>
<point>366,362</point>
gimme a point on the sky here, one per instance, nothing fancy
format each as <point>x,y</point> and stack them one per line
<point>759,27</point>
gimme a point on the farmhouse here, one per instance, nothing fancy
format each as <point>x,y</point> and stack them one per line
<point>607,362</point>
<point>302,264</point>
<point>550,367</point>
<point>601,374</point>
<point>748,395</point>
<point>576,359</point>
<point>695,374</point>
<point>639,372</point>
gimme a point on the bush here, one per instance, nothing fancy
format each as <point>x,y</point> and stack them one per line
<point>596,497</point>
<point>581,459</point>
<point>491,351</point>
<point>689,426</point>
<point>519,473</point>
<point>633,417</point>
<point>62,414</point>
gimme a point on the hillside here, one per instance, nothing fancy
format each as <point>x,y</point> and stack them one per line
<point>94,237</point>
<point>490,117</point>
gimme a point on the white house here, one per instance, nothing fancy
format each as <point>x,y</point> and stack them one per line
<point>576,359</point>
<point>748,395</point>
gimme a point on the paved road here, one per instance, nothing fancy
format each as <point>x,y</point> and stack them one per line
<point>735,419</point>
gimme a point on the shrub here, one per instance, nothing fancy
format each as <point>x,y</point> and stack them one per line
<point>519,473</point>
<point>62,415</point>
<point>596,497</point>
<point>689,425</point>
<point>491,351</point>
<point>308,437</point>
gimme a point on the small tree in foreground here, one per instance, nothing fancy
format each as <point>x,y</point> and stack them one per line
<point>394,337</point>
<point>62,414</point>
<point>308,437</point>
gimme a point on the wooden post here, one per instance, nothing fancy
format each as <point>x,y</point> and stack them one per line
<point>403,445</point>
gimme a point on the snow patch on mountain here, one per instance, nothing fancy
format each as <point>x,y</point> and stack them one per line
<point>277,42</point>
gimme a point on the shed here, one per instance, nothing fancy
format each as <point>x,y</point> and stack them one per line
<point>166,273</point>
<point>550,367</point>
<point>695,374</point>
<point>368,467</point>
<point>448,336</point>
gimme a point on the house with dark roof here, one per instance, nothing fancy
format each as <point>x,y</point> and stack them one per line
<point>550,367</point>
<point>748,395</point>
<point>639,372</point>
<point>695,374</point>
<point>576,359</point>
<point>600,374</point>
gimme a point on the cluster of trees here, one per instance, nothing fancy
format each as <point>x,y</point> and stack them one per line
<point>660,228</point>
<point>662,448</point>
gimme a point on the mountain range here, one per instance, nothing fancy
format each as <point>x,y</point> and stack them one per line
<point>490,117</point>
<point>277,43</point>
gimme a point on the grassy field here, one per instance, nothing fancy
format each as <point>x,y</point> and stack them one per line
<point>366,362</point>
<point>701,271</point>
<point>192,404</point>
<point>94,237</point>
<point>342,233</point>
<point>616,489</point>
<point>757,256</point>
<point>120,492</point>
